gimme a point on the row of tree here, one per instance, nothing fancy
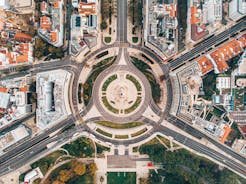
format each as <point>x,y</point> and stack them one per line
<point>107,9</point>
<point>135,12</point>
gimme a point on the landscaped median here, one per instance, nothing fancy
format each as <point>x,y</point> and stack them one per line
<point>104,133</point>
<point>108,81</point>
<point>119,125</point>
<point>119,130</point>
<point>140,132</point>
<point>108,106</point>
<point>97,69</point>
<point>134,106</point>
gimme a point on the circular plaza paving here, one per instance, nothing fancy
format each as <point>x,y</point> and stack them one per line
<point>121,93</point>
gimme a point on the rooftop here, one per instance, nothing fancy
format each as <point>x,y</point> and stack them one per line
<point>86,9</point>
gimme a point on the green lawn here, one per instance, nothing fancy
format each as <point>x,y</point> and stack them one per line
<point>121,136</point>
<point>46,162</point>
<point>101,148</point>
<point>134,39</point>
<point>139,132</point>
<point>81,147</point>
<point>108,106</point>
<point>134,81</point>
<point>108,81</point>
<point>119,125</point>
<point>134,106</point>
<point>121,178</point>
<point>107,39</point>
<point>103,132</point>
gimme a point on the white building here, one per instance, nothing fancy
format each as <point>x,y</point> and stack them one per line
<point>223,82</point>
<point>212,11</point>
<point>237,9</point>
<point>53,98</point>
<point>4,4</point>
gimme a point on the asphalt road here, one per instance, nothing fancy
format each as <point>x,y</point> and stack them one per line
<point>208,44</point>
<point>122,21</point>
<point>19,155</point>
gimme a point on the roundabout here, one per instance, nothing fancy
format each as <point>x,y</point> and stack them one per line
<point>121,93</point>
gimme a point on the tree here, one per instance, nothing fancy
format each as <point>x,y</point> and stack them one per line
<point>104,25</point>
<point>79,168</point>
<point>92,168</point>
<point>57,182</point>
<point>39,47</point>
<point>65,175</point>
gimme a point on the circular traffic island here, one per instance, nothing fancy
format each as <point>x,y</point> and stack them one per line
<point>121,95</point>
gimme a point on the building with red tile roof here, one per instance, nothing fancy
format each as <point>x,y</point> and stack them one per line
<point>22,54</point>
<point>52,22</point>
<point>86,9</point>
<point>227,131</point>
<point>171,9</point>
<point>205,65</point>
<point>22,37</point>
<point>198,30</point>
<point>45,23</point>
<point>242,129</point>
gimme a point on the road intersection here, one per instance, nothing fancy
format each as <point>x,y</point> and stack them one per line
<point>25,152</point>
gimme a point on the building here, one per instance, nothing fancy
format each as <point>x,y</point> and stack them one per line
<point>237,9</point>
<point>51,26</point>
<point>221,55</point>
<point>53,102</point>
<point>12,137</point>
<point>223,82</point>
<point>86,9</point>
<point>4,101</point>
<point>160,32</point>
<point>4,4</point>
<point>14,100</point>
<point>33,175</point>
<point>77,43</point>
<point>205,65</point>
<point>22,54</point>
<point>212,11</point>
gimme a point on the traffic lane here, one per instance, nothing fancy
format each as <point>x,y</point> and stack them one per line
<point>35,140</point>
<point>29,154</point>
<point>196,133</point>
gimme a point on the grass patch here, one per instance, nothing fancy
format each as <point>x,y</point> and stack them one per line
<point>119,125</point>
<point>135,39</point>
<point>121,136</point>
<point>121,178</point>
<point>134,106</point>
<point>139,132</point>
<point>48,161</point>
<point>97,69</point>
<point>81,147</point>
<point>107,39</point>
<point>109,107</point>
<point>104,133</point>
<point>134,81</point>
<point>108,81</point>
<point>101,148</point>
